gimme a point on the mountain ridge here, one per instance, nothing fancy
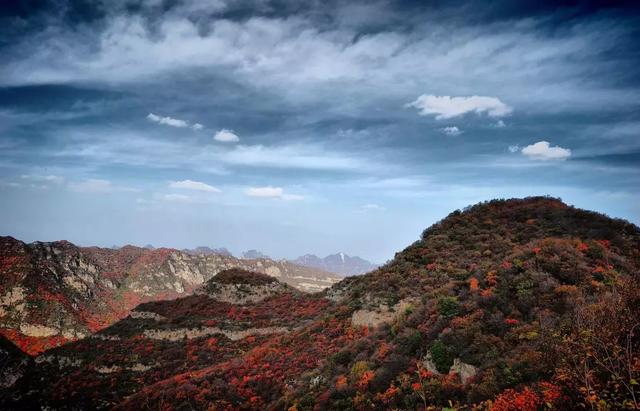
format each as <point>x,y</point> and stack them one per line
<point>339,263</point>
<point>494,308</point>
<point>54,292</point>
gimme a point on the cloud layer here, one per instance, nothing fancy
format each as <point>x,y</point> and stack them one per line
<point>193,185</point>
<point>173,122</point>
<point>445,107</point>
<point>226,136</point>
<point>271,192</point>
<point>207,115</point>
<point>542,150</point>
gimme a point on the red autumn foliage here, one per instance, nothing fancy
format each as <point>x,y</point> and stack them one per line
<point>389,394</point>
<point>473,284</point>
<point>365,379</point>
<point>512,400</point>
<point>32,345</point>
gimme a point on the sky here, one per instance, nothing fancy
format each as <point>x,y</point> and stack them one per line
<point>297,127</point>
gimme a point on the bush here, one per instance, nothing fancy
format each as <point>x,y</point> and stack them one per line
<point>448,306</point>
<point>441,356</point>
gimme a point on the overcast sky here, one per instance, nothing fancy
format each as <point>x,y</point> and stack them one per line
<point>308,127</point>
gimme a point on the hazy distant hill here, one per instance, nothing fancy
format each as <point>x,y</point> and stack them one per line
<point>338,263</point>
<point>253,254</point>
<point>208,251</point>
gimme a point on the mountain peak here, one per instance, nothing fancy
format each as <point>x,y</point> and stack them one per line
<point>339,263</point>
<point>238,286</point>
<point>239,276</point>
<point>253,255</point>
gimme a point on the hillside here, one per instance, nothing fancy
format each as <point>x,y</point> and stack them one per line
<point>508,305</point>
<point>228,316</point>
<point>338,263</point>
<point>52,293</point>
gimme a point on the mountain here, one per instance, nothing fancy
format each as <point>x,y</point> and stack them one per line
<point>253,254</point>
<point>208,251</point>
<point>228,316</point>
<point>339,263</point>
<point>52,293</point>
<point>522,304</point>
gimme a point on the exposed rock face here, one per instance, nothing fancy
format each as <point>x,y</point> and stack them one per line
<point>34,330</point>
<point>380,313</point>
<point>429,365</point>
<point>54,292</point>
<point>465,371</point>
<point>190,333</point>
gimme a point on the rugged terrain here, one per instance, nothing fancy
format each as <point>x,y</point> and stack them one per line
<point>508,305</point>
<point>338,263</point>
<point>52,293</point>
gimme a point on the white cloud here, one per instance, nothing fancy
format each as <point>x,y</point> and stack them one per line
<point>197,126</point>
<point>499,124</point>
<point>292,197</point>
<point>272,192</point>
<point>451,131</point>
<point>193,185</point>
<point>167,121</point>
<point>226,136</point>
<point>103,147</point>
<point>445,107</point>
<point>528,68</point>
<point>177,198</point>
<point>372,207</point>
<point>301,156</point>
<point>514,149</point>
<point>267,192</point>
<point>542,150</point>
<point>48,178</point>
<point>96,185</point>
<point>93,185</point>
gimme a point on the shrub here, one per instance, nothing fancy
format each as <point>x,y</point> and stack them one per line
<point>448,306</point>
<point>441,356</point>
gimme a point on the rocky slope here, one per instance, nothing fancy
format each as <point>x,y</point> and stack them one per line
<point>229,315</point>
<point>509,305</point>
<point>51,293</point>
<point>338,263</point>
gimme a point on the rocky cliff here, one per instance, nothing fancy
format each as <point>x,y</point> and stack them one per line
<point>51,293</point>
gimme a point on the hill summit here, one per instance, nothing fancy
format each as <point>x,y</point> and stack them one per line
<point>239,286</point>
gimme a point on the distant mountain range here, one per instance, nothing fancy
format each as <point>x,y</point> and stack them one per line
<point>204,250</point>
<point>253,255</point>
<point>52,293</point>
<point>339,263</point>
